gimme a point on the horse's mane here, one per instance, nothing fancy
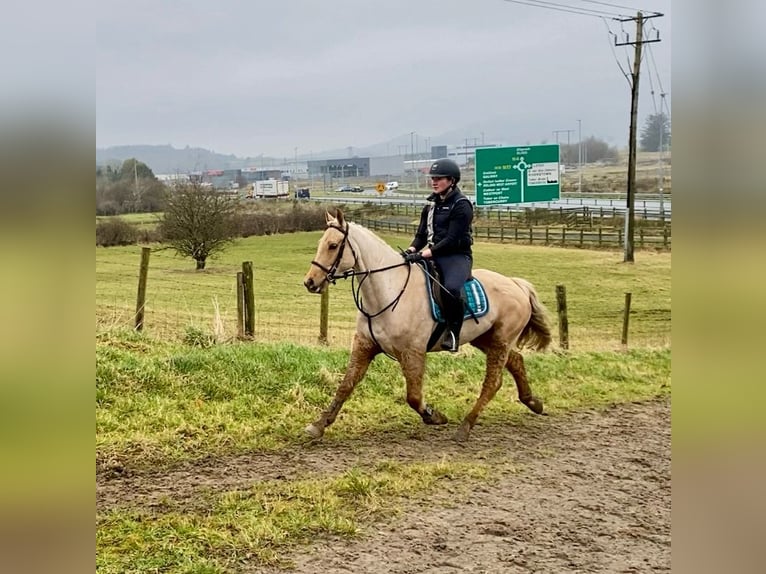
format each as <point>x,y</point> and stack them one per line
<point>372,235</point>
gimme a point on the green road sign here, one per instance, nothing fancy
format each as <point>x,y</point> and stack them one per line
<point>517,174</point>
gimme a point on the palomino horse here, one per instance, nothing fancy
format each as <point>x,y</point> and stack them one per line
<point>395,318</point>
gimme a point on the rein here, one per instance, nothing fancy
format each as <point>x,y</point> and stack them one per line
<point>356,289</point>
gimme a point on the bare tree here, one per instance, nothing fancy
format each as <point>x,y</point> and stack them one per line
<point>199,222</point>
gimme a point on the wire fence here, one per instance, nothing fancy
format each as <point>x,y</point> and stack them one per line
<point>182,303</point>
<point>181,300</point>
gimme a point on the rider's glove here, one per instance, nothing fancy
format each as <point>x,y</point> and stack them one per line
<point>410,257</point>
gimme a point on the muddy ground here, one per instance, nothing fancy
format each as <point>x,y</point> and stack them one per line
<point>586,491</point>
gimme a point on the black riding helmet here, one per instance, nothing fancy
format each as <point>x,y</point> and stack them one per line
<point>445,168</point>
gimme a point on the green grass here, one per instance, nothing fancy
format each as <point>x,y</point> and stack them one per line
<point>172,395</point>
<point>260,523</point>
<point>162,402</point>
<point>178,297</point>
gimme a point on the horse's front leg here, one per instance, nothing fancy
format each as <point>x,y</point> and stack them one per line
<point>413,365</point>
<point>363,351</point>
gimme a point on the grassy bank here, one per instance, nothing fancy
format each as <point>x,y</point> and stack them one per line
<point>160,402</point>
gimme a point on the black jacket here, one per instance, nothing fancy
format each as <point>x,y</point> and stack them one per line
<point>451,223</point>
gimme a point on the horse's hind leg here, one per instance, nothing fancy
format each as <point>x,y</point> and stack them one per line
<point>493,380</point>
<point>413,365</point>
<point>363,351</point>
<point>515,366</point>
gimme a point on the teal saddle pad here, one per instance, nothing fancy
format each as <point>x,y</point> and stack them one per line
<point>477,304</point>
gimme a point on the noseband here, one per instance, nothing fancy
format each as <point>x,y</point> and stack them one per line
<point>330,276</point>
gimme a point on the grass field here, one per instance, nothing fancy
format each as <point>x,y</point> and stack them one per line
<point>165,398</point>
<point>161,403</point>
<point>180,298</point>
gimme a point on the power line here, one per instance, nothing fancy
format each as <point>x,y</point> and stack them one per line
<point>651,90</point>
<point>568,8</point>
<point>654,65</point>
<point>611,46</point>
<point>631,8</point>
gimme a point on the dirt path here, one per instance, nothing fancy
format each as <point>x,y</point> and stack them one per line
<point>581,492</point>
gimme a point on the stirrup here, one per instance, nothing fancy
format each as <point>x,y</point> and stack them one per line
<point>449,341</point>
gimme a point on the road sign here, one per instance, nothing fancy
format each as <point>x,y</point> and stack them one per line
<point>517,174</point>
<point>380,187</point>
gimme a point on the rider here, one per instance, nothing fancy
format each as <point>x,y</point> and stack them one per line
<point>445,232</point>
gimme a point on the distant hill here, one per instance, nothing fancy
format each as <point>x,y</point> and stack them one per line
<point>167,159</point>
<point>508,130</point>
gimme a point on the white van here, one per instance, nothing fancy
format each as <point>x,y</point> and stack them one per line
<point>391,185</point>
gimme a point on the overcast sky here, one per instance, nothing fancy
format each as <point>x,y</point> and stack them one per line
<point>266,77</point>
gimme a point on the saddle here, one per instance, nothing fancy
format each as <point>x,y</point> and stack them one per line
<point>475,302</point>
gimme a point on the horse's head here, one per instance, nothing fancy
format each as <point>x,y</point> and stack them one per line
<point>333,257</point>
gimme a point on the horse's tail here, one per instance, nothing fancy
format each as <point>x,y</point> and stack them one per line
<point>537,332</point>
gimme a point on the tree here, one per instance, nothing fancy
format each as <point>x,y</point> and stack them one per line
<point>592,149</point>
<point>198,221</point>
<point>132,187</point>
<point>656,127</point>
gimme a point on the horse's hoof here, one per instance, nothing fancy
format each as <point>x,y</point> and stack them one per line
<point>434,417</point>
<point>462,433</point>
<point>535,405</point>
<point>314,431</point>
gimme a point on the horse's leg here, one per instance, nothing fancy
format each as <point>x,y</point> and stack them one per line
<point>363,351</point>
<point>497,354</point>
<point>515,366</point>
<point>413,365</point>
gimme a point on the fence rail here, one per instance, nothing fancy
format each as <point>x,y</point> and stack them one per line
<point>545,235</point>
<point>176,303</point>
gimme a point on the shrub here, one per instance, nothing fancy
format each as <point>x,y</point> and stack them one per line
<point>115,231</point>
<point>268,220</point>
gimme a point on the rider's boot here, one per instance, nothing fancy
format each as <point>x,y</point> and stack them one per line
<point>453,314</point>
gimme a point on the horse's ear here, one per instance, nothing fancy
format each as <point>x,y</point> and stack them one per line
<point>328,218</point>
<point>339,216</point>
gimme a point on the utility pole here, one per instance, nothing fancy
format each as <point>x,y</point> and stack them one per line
<point>631,200</point>
<point>417,168</point>
<point>579,156</point>
<point>137,199</point>
<point>660,167</point>
<point>556,133</point>
<point>412,159</point>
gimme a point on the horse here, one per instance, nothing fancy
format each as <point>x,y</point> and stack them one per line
<point>395,318</point>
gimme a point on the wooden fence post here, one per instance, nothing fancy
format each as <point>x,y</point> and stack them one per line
<point>324,315</point>
<point>143,272</point>
<point>625,317</point>
<point>240,305</point>
<point>561,305</point>
<point>249,297</point>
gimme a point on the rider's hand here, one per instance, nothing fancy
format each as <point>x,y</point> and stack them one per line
<point>411,257</point>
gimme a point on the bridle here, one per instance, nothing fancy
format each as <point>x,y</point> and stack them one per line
<point>331,277</point>
<point>330,271</point>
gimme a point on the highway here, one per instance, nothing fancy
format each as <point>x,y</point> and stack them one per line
<point>651,207</point>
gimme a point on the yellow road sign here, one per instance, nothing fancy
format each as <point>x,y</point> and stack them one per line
<point>380,187</point>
